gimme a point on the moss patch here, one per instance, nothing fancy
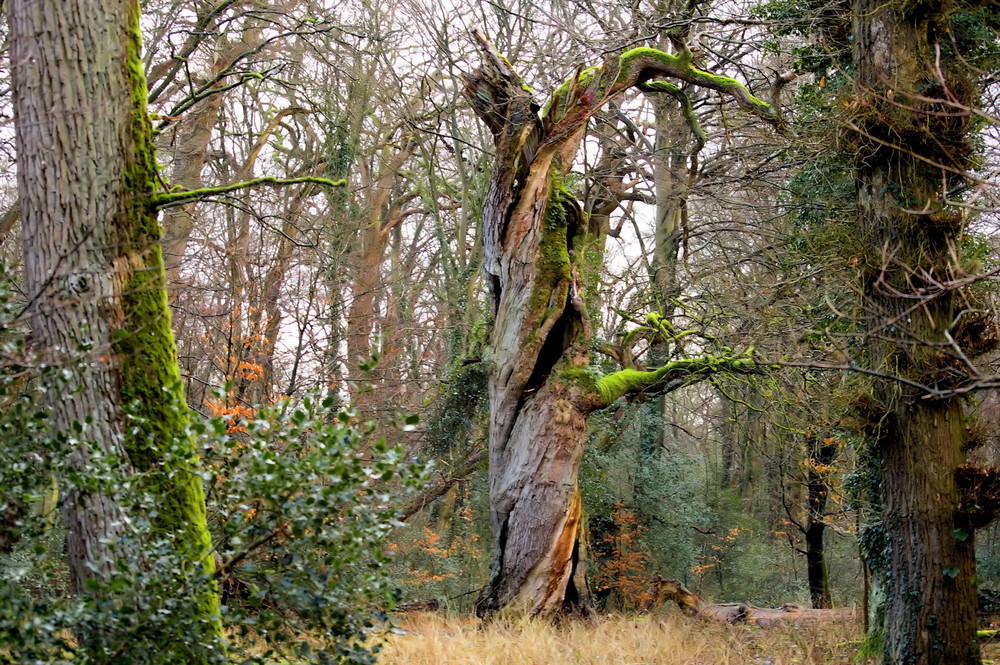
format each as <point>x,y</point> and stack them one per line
<point>150,386</point>
<point>586,378</point>
<point>626,381</point>
<point>554,262</point>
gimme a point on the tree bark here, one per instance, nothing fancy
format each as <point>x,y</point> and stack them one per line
<point>95,277</point>
<point>821,456</point>
<point>912,129</point>
<point>542,386</point>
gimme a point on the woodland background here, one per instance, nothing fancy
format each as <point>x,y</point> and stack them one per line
<point>372,293</point>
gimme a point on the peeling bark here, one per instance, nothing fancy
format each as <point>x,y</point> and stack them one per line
<point>542,386</point>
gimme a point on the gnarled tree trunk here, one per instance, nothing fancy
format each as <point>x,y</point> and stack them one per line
<point>542,385</point>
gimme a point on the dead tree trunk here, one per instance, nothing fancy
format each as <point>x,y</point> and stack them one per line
<point>542,385</point>
<point>821,455</point>
<point>693,605</point>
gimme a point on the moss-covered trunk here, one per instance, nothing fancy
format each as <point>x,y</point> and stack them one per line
<point>542,385</point>
<point>912,138</point>
<point>94,263</point>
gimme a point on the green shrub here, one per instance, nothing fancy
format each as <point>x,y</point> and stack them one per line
<point>299,511</point>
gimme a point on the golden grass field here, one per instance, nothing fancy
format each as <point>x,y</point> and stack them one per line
<point>432,639</point>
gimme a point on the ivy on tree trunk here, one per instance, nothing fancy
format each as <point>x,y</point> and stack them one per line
<point>911,129</point>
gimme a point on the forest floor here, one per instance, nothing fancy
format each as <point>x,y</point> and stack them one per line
<point>623,640</point>
<point>430,639</point>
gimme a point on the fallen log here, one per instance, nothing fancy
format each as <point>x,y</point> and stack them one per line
<point>695,606</point>
<point>792,614</point>
<point>430,605</point>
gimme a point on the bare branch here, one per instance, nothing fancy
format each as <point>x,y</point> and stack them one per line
<point>168,199</point>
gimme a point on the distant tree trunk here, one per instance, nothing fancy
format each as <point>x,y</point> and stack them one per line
<point>821,456</point>
<point>95,276</point>
<point>542,385</point>
<point>912,136</point>
<point>371,386</point>
<point>192,136</point>
<point>271,291</point>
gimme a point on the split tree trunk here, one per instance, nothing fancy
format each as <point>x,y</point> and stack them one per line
<point>96,284</point>
<point>913,130</point>
<point>542,385</point>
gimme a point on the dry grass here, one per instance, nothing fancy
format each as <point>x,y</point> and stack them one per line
<point>668,640</point>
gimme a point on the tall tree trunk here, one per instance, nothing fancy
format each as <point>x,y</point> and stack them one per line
<point>912,137</point>
<point>931,594</point>
<point>86,173</point>
<point>542,386</point>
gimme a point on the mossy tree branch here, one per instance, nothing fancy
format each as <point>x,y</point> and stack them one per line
<point>692,118</point>
<point>643,68</point>
<point>656,328</point>
<point>673,375</point>
<point>167,199</point>
<point>639,65</point>
<point>499,95</point>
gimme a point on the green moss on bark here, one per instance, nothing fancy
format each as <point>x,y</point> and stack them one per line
<point>554,262</point>
<point>150,387</point>
<point>697,76</point>
<point>626,381</point>
<point>141,172</point>
<point>586,378</point>
<point>668,60</point>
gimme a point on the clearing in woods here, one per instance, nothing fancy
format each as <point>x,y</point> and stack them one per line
<point>668,639</point>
